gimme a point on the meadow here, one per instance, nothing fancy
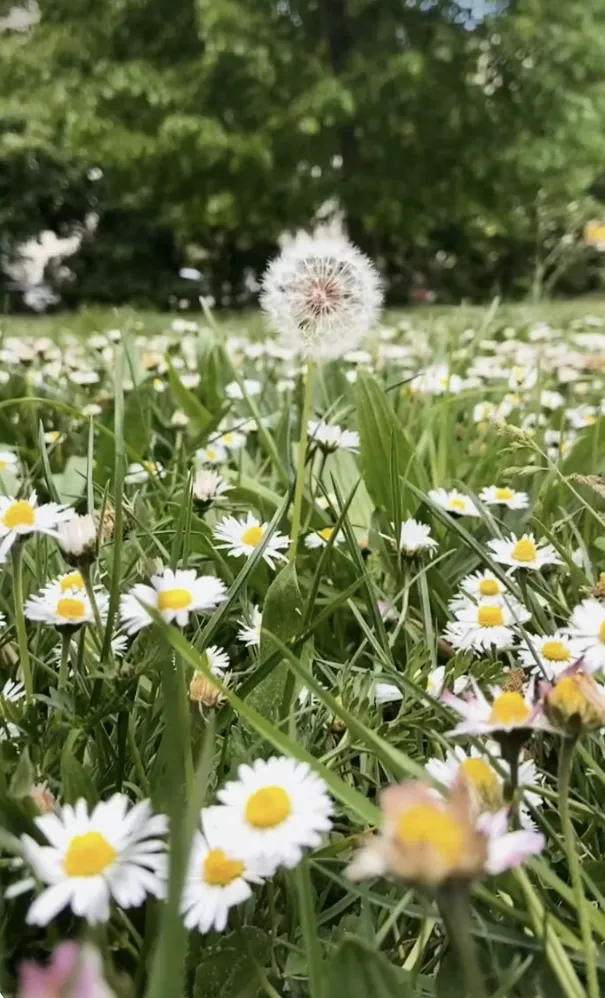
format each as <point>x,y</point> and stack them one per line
<point>305,698</point>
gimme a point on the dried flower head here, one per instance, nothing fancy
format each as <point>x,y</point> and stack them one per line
<point>321,296</point>
<point>575,703</point>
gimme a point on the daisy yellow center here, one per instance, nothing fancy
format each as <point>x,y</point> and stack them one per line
<point>426,825</point>
<point>174,599</point>
<point>591,420</point>
<point>570,700</point>
<point>268,807</point>
<point>509,708</point>
<point>19,514</point>
<point>326,533</point>
<point>88,855</point>
<point>70,609</point>
<point>149,466</point>
<point>457,504</point>
<point>228,438</point>
<point>2,465</point>
<point>253,536</point>
<point>504,495</point>
<point>555,651</point>
<point>211,454</point>
<point>490,616</point>
<point>602,632</point>
<point>481,775</point>
<point>525,550</point>
<point>489,587</point>
<point>219,870</point>
<point>72,581</point>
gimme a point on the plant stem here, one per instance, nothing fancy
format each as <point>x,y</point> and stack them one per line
<point>185,724</point>
<point>454,903</point>
<point>566,755</point>
<point>302,454</point>
<point>28,681</point>
<point>64,666</point>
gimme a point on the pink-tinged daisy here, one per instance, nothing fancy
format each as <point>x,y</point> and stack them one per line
<point>507,711</point>
<point>523,552</point>
<point>73,970</point>
<point>175,595</point>
<point>20,517</point>
<point>240,538</point>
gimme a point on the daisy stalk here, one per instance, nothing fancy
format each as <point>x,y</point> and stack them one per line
<point>17,556</point>
<point>64,663</point>
<point>566,757</point>
<point>302,455</point>
<point>454,903</point>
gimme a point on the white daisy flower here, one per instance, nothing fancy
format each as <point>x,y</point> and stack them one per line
<point>508,710</point>
<point>587,630</point>
<point>479,585</point>
<point>385,693</point>
<point>62,607</point>
<point>555,652</point>
<point>218,659</point>
<point>217,878</point>
<point>484,412</point>
<point>190,379</point>
<point>242,537</point>
<point>584,415</point>
<point>551,400</point>
<point>580,557</point>
<point>231,440</point>
<point>415,538</point>
<point>12,691</point>
<point>175,595</point>
<point>251,386</point>
<point>331,437</point>
<point>523,552</point>
<point>78,537</point>
<point>276,808</point>
<point>249,632</point>
<point>116,852</point>
<point>208,486</point>
<point>494,495</point>
<point>435,683</point>
<point>436,381</point>
<point>319,538</point>
<point>488,624</point>
<point>9,461</point>
<point>214,453</point>
<point>454,502</point>
<point>92,409</point>
<point>321,295</point>
<point>20,517</point>
<point>140,472</point>
<point>84,377</point>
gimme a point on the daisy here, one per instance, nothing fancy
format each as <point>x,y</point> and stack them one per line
<point>116,852</point>
<point>242,537</point>
<point>509,711</point>
<point>9,461</point>
<point>435,683</point>
<point>65,607</point>
<point>249,632</point>
<point>251,387</point>
<point>555,652</point>
<point>480,585</point>
<point>320,538</point>
<point>385,693</point>
<point>141,472</point>
<point>276,808</point>
<point>208,487</point>
<point>20,517</point>
<point>214,453</point>
<point>331,437</point>
<point>587,629</point>
<point>415,538</point>
<point>231,440</point>
<point>454,502</point>
<point>217,658</point>
<point>575,703</point>
<point>218,876</point>
<point>78,537</point>
<point>488,624</point>
<point>73,970</point>
<point>494,495</point>
<point>175,595</point>
<point>523,552</point>
<point>13,691</point>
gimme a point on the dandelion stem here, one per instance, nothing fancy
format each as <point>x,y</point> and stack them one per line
<point>566,754</point>
<point>302,454</point>
<point>455,908</point>
<point>24,659</point>
<point>64,666</point>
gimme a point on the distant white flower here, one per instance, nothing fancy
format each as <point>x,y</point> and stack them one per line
<point>65,608</point>
<point>213,453</point>
<point>436,381</point>
<point>190,379</point>
<point>495,496</point>
<point>9,461</point>
<point>78,536</point>
<point>523,552</point>
<point>242,537</point>
<point>386,693</point>
<point>218,877</point>
<point>116,852</point>
<point>479,585</point>
<point>84,377</point>
<point>251,385</point>
<point>249,632</point>
<point>321,295</point>
<point>230,439</point>
<point>435,684</point>
<point>555,653</point>
<point>485,412</point>
<point>140,472</point>
<point>579,556</point>
<point>20,517</point>
<point>488,624</point>
<point>331,437</point>
<point>454,502</point>
<point>587,629</point>
<point>277,807</point>
<point>584,415</point>
<point>179,419</point>
<point>208,486</point>
<point>319,538</point>
<point>415,538</point>
<point>92,409</point>
<point>175,595</point>
<point>551,400</point>
<point>218,659</point>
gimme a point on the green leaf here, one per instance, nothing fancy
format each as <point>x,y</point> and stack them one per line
<point>188,402</point>
<point>358,971</point>
<point>76,781</point>
<point>71,482</point>
<point>230,971</point>
<point>283,613</point>
<point>24,776</point>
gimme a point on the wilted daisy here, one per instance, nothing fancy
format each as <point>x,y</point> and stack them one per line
<point>495,495</point>
<point>242,537</point>
<point>415,538</point>
<point>213,453</point>
<point>555,653</point>
<point>116,852</point>
<point>507,711</point>
<point>454,502</point>
<point>63,607</point>
<point>523,552</point>
<point>488,624</point>
<point>428,840</point>
<point>587,629</point>
<point>249,632</point>
<point>331,437</point>
<point>175,595</point>
<point>209,487</point>
<point>20,517</point>
<point>319,538</point>
<point>140,472</point>
<point>218,877</point>
<point>321,295</point>
<point>276,808</point>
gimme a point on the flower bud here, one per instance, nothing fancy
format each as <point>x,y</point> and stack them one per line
<point>575,703</point>
<point>77,539</point>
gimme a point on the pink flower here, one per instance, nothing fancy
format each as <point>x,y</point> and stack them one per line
<point>73,972</point>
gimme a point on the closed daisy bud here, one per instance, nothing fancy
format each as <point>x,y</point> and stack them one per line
<point>77,539</point>
<point>575,703</point>
<point>203,692</point>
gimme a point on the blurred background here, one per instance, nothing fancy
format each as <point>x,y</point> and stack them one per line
<point>155,150</point>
